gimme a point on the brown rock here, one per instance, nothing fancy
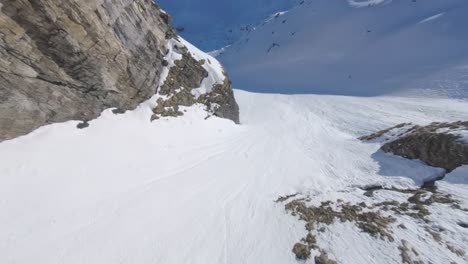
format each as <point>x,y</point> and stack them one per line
<point>187,74</point>
<point>323,259</point>
<point>437,149</point>
<point>301,251</point>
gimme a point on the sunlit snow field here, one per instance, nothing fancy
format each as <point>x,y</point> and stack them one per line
<point>190,190</point>
<point>200,189</point>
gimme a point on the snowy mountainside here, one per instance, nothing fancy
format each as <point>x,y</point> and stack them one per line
<point>213,24</point>
<point>174,181</point>
<point>356,48</point>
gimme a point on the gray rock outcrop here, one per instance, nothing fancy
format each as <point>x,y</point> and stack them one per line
<point>433,144</point>
<point>71,59</point>
<point>438,144</point>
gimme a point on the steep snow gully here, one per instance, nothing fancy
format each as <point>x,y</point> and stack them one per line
<point>190,190</point>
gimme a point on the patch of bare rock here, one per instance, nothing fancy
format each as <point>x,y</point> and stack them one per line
<point>375,215</point>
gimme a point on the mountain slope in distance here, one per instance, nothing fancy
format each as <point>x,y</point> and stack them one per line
<point>356,48</point>
<point>212,24</point>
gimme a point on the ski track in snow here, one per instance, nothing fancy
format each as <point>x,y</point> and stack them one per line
<point>434,17</point>
<point>366,3</point>
<point>189,190</point>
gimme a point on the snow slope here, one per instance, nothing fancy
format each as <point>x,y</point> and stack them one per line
<point>213,24</point>
<point>352,47</point>
<point>190,190</point>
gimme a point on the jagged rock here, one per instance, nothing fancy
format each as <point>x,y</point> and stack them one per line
<point>434,144</point>
<point>188,74</point>
<point>311,240</point>
<point>222,97</point>
<point>63,60</point>
<point>438,144</point>
<point>166,108</point>
<point>323,259</point>
<point>301,251</point>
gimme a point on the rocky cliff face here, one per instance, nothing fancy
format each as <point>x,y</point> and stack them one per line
<point>71,59</point>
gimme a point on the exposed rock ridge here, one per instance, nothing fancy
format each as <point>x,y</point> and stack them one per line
<point>221,102</point>
<point>185,78</point>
